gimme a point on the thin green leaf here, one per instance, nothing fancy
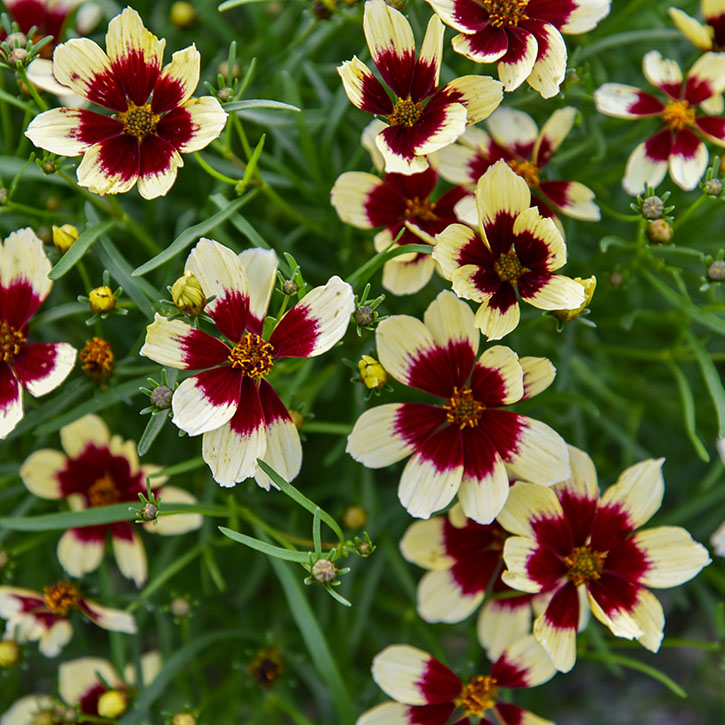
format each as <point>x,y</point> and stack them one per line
<point>79,248</point>
<point>68,519</point>
<point>229,4</point>
<point>190,235</point>
<point>688,410</point>
<point>712,379</point>
<point>185,466</point>
<point>633,664</point>
<point>269,549</point>
<point>253,160</point>
<point>258,102</point>
<point>152,429</point>
<point>240,223</point>
<point>363,274</point>
<point>316,538</point>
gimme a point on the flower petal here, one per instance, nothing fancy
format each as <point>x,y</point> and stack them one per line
<point>581,16</point>
<point>178,523</point>
<point>638,492</point>
<point>39,473</point>
<point>552,134</point>
<point>261,268</point>
<point>43,366</point>
<point>502,622</point>
<point>551,291</point>
<point>207,400</point>
<point>513,130</point>
<point>114,620</point>
<point>376,441</point>
<point>539,374</point>
<point>486,46</point>
<point>520,554</point>
<point>538,243</point>
<point>424,544</point>
<point>130,553</point>
<point>363,89</point>
<point>441,598</point>
<point>407,278</point>
<point>529,504</point>
<point>480,95</point>
<point>647,164</point>
<point>463,15</point>
<point>695,31</point>
<point>194,125</point>
<point>712,128</point>
<point>450,322</point>
<point>159,163</point>
<point>80,550</point>
<point>524,663</point>
<point>663,73</point>
<point>501,190</point>
<point>706,78</point>
<point>78,677</point>
<point>449,244</point>
<point>11,400</point>
<point>90,430</point>
<point>688,159</point>
<point>351,197</point>
<point>395,713</point>
<point>428,65</point>
<point>622,101</point>
<point>177,81</point>
<point>556,628</point>
<point>71,131</point>
<point>499,315</point>
<point>497,378</point>
<point>571,198</point>
<point>516,66</point>
<point>549,69</point>
<point>28,709</point>
<point>110,166</point>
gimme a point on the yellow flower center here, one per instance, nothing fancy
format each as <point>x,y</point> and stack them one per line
<point>527,171</point>
<point>11,340</point>
<point>97,359</point>
<point>584,565</point>
<point>679,115</point>
<point>139,121</point>
<point>103,491</point>
<point>478,695</point>
<point>61,598</point>
<point>505,13</point>
<point>253,355</point>
<point>463,409</point>
<point>421,209</point>
<point>406,113</point>
<point>508,267</point>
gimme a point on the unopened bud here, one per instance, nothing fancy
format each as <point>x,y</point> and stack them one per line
<point>182,14</point>
<point>297,418</point>
<point>653,207</point>
<point>52,203</point>
<point>16,40</point>
<point>323,571</point>
<point>364,316</point>
<point>321,11</point>
<point>372,373</point>
<point>289,287</point>
<point>44,234</point>
<point>589,285</point>
<point>180,606</point>
<point>111,704</point>
<point>17,57</point>
<point>188,296</point>
<point>63,237</point>
<point>659,231</point>
<point>713,187</point>
<point>716,271</point>
<point>148,512</point>
<point>223,68</point>
<point>224,94</point>
<point>354,518</point>
<point>616,279</point>
<point>183,718</point>
<point>364,548</point>
<point>9,653</point>
<point>101,300</point>
<point>161,397</point>
<point>49,166</point>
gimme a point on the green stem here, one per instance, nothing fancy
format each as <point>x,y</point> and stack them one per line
<point>5,120</point>
<point>690,211</point>
<point>25,209</point>
<point>22,72</point>
<point>213,172</point>
<point>341,429</point>
<point>617,214</point>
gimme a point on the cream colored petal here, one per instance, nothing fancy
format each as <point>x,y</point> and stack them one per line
<point>40,470</point>
<point>178,523</point>
<point>501,189</point>
<point>207,119</point>
<point>90,430</point>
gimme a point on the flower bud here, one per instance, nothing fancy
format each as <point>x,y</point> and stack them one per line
<point>49,166</point>
<point>63,237</point>
<point>653,207</point>
<point>188,296</point>
<point>161,397</point>
<point>289,287</point>
<point>183,718</point>
<point>372,373</point>
<point>224,94</point>
<point>16,40</point>
<point>354,518</point>
<point>659,231</point>
<point>101,300</point>
<point>17,57</point>
<point>9,653</point>
<point>148,512</point>
<point>297,418</point>
<point>589,285</point>
<point>97,360</point>
<point>323,571</point>
<point>111,704</point>
<point>364,316</point>
<point>180,606</point>
<point>182,14</point>
<point>223,68</point>
<point>716,271</point>
<point>713,187</point>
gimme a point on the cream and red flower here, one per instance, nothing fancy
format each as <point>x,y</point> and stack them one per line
<point>523,36</point>
<point>230,402</point>
<point>426,692</point>
<point>465,560</point>
<point>154,117</point>
<point>514,137</point>
<point>570,541</point>
<point>98,469</point>
<point>709,35</point>
<point>676,146</point>
<point>81,685</point>
<point>517,251</point>
<point>422,117</point>
<point>464,444</point>
<point>43,617</point>
<point>38,367</point>
<point>47,16</point>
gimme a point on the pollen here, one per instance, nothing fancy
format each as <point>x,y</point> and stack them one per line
<point>463,409</point>
<point>103,491</point>
<point>584,565</point>
<point>11,340</point>
<point>508,267</point>
<point>505,13</point>
<point>678,115</point>
<point>418,208</point>
<point>61,598</point>
<point>139,121</point>
<point>97,360</point>
<point>528,171</point>
<point>406,113</point>
<point>478,695</point>
<point>253,356</point>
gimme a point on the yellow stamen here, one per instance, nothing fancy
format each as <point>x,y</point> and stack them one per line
<point>478,695</point>
<point>406,113</point>
<point>420,209</point>
<point>103,491</point>
<point>139,121</point>
<point>508,267</point>
<point>678,115</point>
<point>463,409</point>
<point>11,340</point>
<point>527,171</point>
<point>61,598</point>
<point>505,13</point>
<point>97,359</point>
<point>253,355</point>
<point>584,565</point>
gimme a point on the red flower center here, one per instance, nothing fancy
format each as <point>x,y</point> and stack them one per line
<point>463,409</point>
<point>252,355</point>
<point>478,695</point>
<point>506,13</point>
<point>527,171</point>
<point>584,565</point>
<point>406,112</point>
<point>420,209</point>
<point>508,267</point>
<point>11,340</point>
<point>103,491</point>
<point>678,115</point>
<point>139,121</point>
<point>61,598</point>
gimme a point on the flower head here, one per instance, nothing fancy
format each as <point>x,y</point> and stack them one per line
<point>579,546</point>
<point>465,443</point>
<point>676,145</point>
<point>426,691</point>
<point>421,118</point>
<point>230,401</point>
<point>39,367</point>
<point>709,35</point>
<point>154,117</point>
<point>524,36</point>
<point>517,251</point>
<point>98,469</point>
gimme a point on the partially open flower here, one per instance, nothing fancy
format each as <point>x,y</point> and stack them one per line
<point>589,284</point>
<point>187,295</point>
<point>63,237</point>
<point>102,300</point>
<point>372,373</point>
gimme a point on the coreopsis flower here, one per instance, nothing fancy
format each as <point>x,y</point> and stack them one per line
<point>230,402</point>
<point>154,117</point>
<point>98,469</point>
<point>426,691</point>
<point>523,36</point>
<point>87,686</point>
<point>709,35</point>
<point>465,443</point>
<point>422,117</point>
<point>44,617</point>
<point>39,367</point>
<point>514,137</point>
<point>571,542</point>
<point>676,146</point>
<point>464,560</point>
<point>517,251</point>
<point>48,17</point>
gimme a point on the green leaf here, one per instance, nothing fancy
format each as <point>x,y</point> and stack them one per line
<point>79,248</point>
<point>269,549</point>
<point>240,223</point>
<point>258,102</point>
<point>360,276</point>
<point>316,538</point>
<point>712,379</point>
<point>633,664</point>
<point>152,429</point>
<point>68,519</point>
<point>300,498</point>
<point>688,410</point>
<point>185,466</point>
<point>190,235</point>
